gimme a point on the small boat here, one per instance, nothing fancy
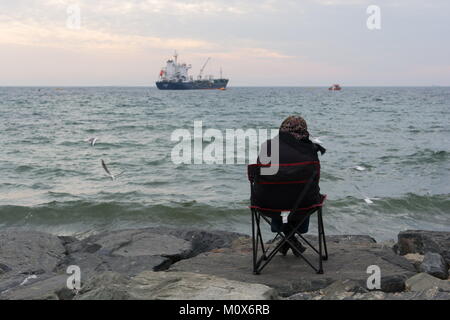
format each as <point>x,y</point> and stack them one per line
<point>335,87</point>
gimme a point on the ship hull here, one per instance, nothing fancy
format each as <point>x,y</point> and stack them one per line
<point>192,85</point>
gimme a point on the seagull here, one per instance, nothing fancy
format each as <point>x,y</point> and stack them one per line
<point>366,198</point>
<point>316,140</point>
<point>92,141</point>
<point>369,200</point>
<point>113,177</point>
<point>33,276</point>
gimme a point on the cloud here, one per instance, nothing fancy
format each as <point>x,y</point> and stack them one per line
<point>32,33</point>
<point>249,53</point>
<point>172,7</point>
<point>341,2</point>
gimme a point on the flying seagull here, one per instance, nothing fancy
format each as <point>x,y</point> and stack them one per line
<point>92,141</point>
<point>366,198</point>
<point>113,177</point>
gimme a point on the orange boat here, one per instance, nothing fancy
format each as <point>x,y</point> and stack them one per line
<point>335,87</point>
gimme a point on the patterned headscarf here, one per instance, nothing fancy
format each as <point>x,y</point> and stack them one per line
<point>296,126</point>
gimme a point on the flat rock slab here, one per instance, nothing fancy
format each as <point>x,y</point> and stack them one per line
<point>27,256</point>
<point>424,281</point>
<point>135,242</point>
<point>150,285</point>
<point>53,288</point>
<point>429,294</point>
<point>348,259</point>
<point>419,241</point>
<point>419,287</point>
<point>128,252</point>
<point>132,251</point>
<point>29,252</point>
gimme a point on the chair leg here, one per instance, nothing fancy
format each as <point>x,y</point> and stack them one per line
<point>268,258</point>
<point>319,226</point>
<point>254,243</point>
<point>325,257</point>
<point>259,237</point>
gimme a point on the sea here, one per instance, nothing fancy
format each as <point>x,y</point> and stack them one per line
<point>390,145</point>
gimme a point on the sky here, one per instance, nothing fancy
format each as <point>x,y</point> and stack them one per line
<point>255,42</point>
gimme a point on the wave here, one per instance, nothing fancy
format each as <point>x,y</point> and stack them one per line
<point>394,214</point>
<point>420,157</point>
<point>409,203</point>
<point>427,156</point>
<point>119,213</point>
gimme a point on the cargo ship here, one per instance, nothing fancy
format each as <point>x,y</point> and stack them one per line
<point>175,76</point>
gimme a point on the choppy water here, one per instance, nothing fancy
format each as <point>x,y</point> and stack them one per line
<point>52,180</point>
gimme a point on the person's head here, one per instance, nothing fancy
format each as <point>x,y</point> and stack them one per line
<point>295,126</point>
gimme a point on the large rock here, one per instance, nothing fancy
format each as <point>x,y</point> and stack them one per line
<point>29,252</point>
<point>52,288</point>
<point>349,257</point>
<point>415,258</point>
<point>106,286</point>
<point>424,281</point>
<point>418,241</point>
<point>33,263</point>
<point>135,250</point>
<point>434,264</point>
<point>125,251</point>
<point>150,285</point>
<point>27,256</point>
<point>343,286</point>
<point>429,294</point>
<point>345,290</point>
<point>338,290</point>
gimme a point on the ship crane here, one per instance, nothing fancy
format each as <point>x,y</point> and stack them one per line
<point>203,68</point>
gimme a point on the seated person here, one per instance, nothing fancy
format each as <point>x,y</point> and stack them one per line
<point>278,192</point>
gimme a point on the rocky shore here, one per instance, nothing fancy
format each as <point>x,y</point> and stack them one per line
<point>164,263</point>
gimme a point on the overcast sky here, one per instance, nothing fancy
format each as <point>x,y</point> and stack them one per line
<point>256,42</point>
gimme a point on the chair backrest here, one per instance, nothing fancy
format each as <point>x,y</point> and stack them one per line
<point>285,190</point>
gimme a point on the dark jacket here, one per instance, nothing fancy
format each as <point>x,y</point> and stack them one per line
<point>298,160</point>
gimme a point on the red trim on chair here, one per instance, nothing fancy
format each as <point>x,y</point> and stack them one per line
<point>284,182</point>
<point>284,164</point>
<point>324,196</point>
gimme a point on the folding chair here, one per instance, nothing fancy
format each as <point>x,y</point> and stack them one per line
<point>296,215</point>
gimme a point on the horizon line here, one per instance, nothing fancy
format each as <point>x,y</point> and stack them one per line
<point>240,86</point>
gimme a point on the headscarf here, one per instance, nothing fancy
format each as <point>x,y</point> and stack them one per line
<point>296,126</point>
